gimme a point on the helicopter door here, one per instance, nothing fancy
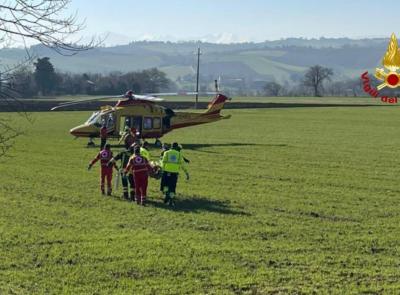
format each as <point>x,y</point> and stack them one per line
<point>166,122</point>
<point>129,122</point>
<point>137,123</point>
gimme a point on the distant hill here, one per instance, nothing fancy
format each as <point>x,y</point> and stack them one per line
<point>283,61</point>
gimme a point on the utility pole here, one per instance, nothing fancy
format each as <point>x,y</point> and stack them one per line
<point>197,79</point>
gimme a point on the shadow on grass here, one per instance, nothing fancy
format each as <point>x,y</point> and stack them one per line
<point>198,146</point>
<point>117,197</point>
<point>198,205</point>
<point>112,145</point>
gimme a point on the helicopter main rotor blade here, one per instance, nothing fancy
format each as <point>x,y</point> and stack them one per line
<point>148,97</point>
<point>70,103</point>
<point>182,93</point>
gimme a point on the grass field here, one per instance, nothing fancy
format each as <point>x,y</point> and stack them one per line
<point>280,201</point>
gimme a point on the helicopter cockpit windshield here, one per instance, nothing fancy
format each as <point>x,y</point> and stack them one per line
<point>100,119</point>
<point>94,118</point>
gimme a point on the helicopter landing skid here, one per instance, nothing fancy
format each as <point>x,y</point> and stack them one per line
<point>91,143</point>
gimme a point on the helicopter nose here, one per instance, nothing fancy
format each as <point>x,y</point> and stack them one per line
<point>83,131</point>
<point>74,131</point>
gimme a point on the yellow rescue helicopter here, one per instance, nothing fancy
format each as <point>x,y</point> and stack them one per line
<point>142,112</point>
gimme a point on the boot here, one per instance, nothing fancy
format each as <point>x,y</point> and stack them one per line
<point>125,195</point>
<point>103,192</point>
<point>143,201</point>
<point>166,198</point>
<point>109,192</point>
<point>166,192</point>
<point>171,201</point>
<point>133,196</point>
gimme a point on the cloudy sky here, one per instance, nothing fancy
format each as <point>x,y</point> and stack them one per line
<point>237,20</point>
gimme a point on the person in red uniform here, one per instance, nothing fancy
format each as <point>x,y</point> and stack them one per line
<point>140,168</point>
<point>104,156</point>
<point>103,136</point>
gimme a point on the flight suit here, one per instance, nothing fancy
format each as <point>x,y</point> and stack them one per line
<point>140,168</point>
<point>106,171</point>
<point>129,139</point>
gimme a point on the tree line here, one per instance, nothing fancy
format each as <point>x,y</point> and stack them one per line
<point>317,81</point>
<point>44,80</point>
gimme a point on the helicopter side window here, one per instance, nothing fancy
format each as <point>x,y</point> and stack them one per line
<point>147,123</point>
<point>156,123</point>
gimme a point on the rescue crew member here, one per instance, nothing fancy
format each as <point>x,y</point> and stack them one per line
<point>171,164</point>
<point>140,168</point>
<point>103,136</point>
<point>129,137</point>
<point>104,156</point>
<point>129,95</point>
<point>164,148</point>
<point>144,151</point>
<point>126,178</point>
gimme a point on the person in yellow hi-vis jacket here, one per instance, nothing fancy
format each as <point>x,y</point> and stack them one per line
<point>172,162</point>
<point>144,151</point>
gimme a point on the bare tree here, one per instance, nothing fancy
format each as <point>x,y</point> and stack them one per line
<point>36,21</point>
<point>315,77</point>
<point>42,21</point>
<point>272,88</point>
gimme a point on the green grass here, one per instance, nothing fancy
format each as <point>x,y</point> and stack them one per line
<point>280,201</point>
